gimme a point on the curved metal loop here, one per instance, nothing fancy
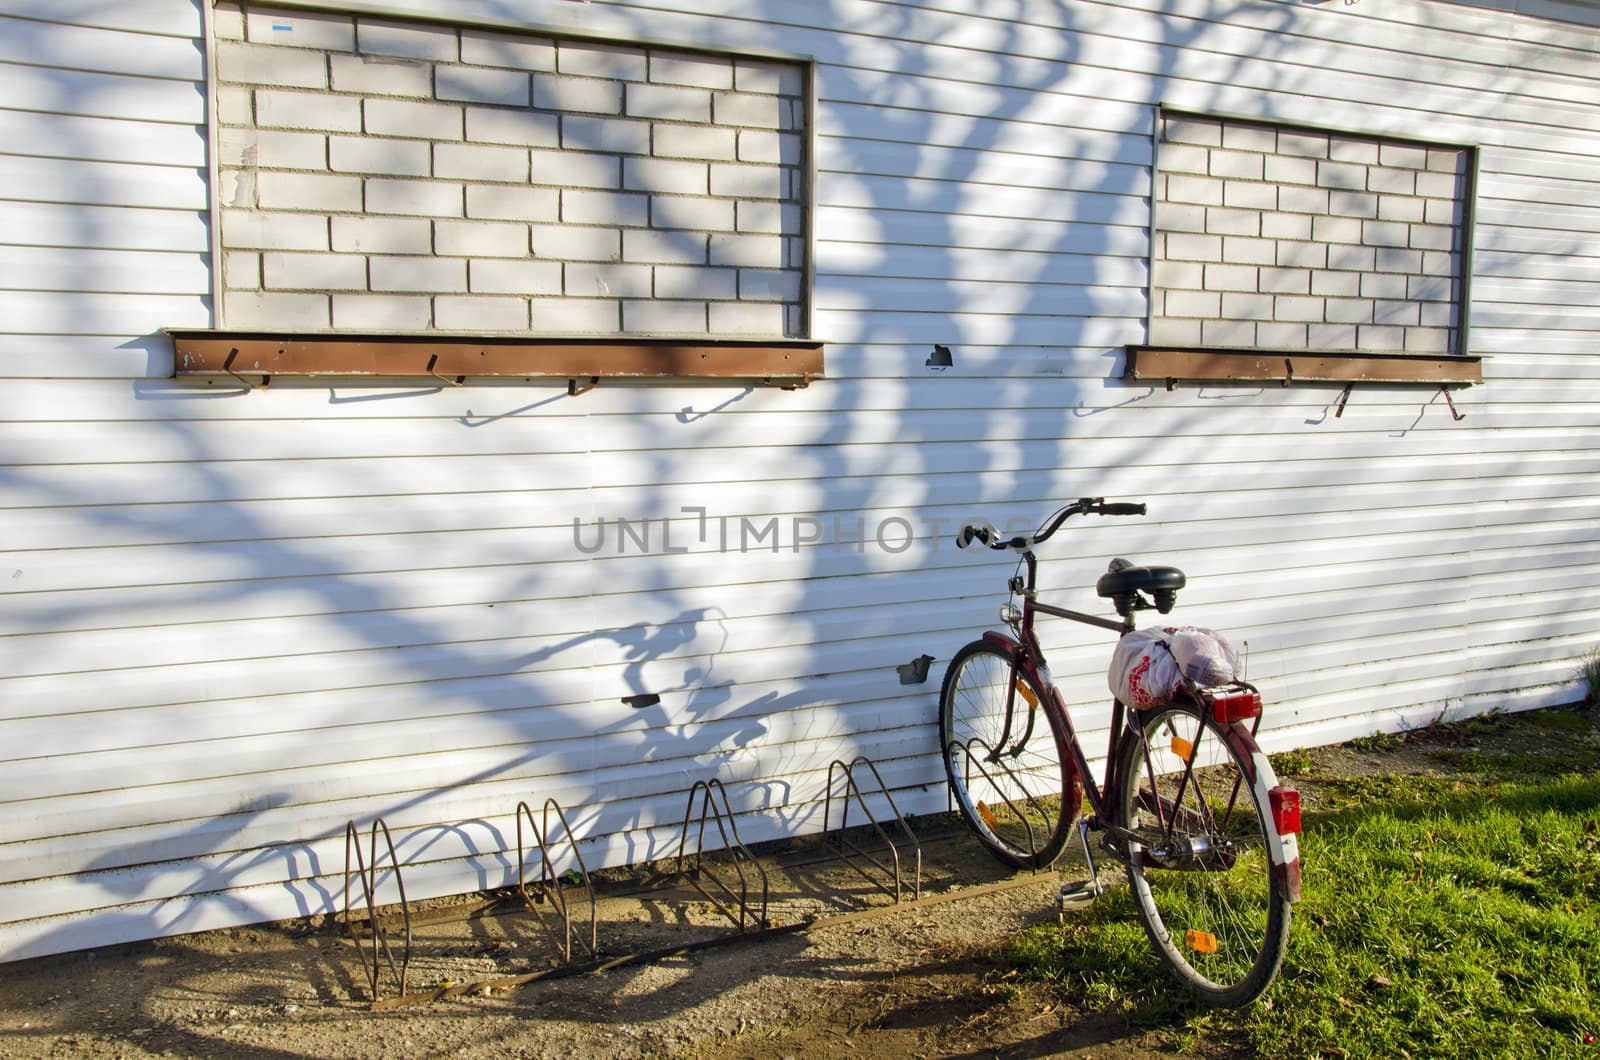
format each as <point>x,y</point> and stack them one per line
<point>367,870</point>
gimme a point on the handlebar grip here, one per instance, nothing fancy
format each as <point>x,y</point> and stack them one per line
<point>1122,508</point>
<point>969,533</point>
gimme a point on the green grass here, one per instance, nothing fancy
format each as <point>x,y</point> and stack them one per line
<point>1443,916</point>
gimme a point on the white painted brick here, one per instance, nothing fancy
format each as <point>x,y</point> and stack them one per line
<point>514,277</point>
<point>682,211</point>
<point>1192,304</point>
<point>1352,259</point>
<point>687,281</point>
<point>512,203</point>
<point>577,243</point>
<point>235,106</point>
<point>481,162</point>
<point>382,312</point>
<point>523,127</point>
<point>1244,250</point>
<point>383,235</point>
<point>1394,259</point>
<point>1361,152</point>
<point>1442,212</point>
<point>1334,284</point>
<point>1281,336</point>
<point>1250,196</point>
<point>664,175</point>
<point>1302,255</point>
<point>794,252</point>
<point>1332,336</point>
<point>769,78</point>
<point>622,135</point>
<point>1297,308</point>
<point>1295,199</point>
<point>601,60</point>
<point>1336,229</point>
<point>761,252</point>
<point>1240,306</point>
<point>1427,340</point>
<point>314,272</point>
<point>576,169</point>
<point>1228,222</point>
<point>422,274</point>
<point>1227,333</point>
<point>668,248</point>
<point>1348,311</point>
<point>1192,131</point>
<point>237,188</point>
<point>747,318</point>
<point>1184,158</point>
<point>508,88</point>
<point>1237,165</point>
<point>1379,337</point>
<point>1447,160</point>
<point>587,95</point>
<point>1437,263</point>
<point>697,71</point>
<point>1287,169</point>
<point>752,109</point>
<point>1385,233</point>
<point>668,102</point>
<point>396,158</point>
<point>782,285</point>
<point>272,149</point>
<point>307,110</point>
<point>413,40</point>
<point>397,117</point>
<point>665,318</point>
<point>764,215</point>
<point>275,310</point>
<point>425,198</point>
<point>1429,288</point>
<point>468,313</point>
<point>1179,274</point>
<point>1389,311</point>
<point>1382,285</point>
<point>608,281</point>
<point>689,141</point>
<point>1249,137</point>
<point>325,32</point>
<point>480,239</point>
<point>1405,156</point>
<point>508,51</point>
<point>604,207</point>
<point>241,270</point>
<point>253,230</point>
<point>1401,208</point>
<point>1285,226</point>
<point>378,75</point>
<point>1303,144</point>
<point>576,316</point>
<point>257,64</point>
<point>1206,191</point>
<point>1171,217</point>
<point>1432,237</point>
<point>1284,281</point>
<point>1392,181</point>
<point>1184,246</point>
<point>227,23</point>
<point>1353,204</point>
<point>749,182</point>
<point>1437,185</point>
<point>1342,175</point>
<point>1438,314</point>
<point>1174,331</point>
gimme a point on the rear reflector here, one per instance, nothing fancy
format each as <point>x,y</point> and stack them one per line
<point>1200,941</point>
<point>1285,810</point>
<point>1229,707</point>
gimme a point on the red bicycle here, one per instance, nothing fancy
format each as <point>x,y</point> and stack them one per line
<point>1190,806</point>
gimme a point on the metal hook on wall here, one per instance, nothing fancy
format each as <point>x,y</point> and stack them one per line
<point>1457,416</point>
<point>1344,397</point>
<point>457,381</point>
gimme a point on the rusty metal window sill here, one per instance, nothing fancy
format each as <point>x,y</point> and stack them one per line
<point>255,358</point>
<point>1172,365</point>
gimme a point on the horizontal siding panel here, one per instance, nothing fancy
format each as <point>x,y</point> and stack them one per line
<point>103,139</point>
<point>94,95</point>
<point>102,183</point>
<point>103,271</point>
<point>142,17</point>
<point>23,40</point>
<point>104,227</point>
<point>891,225</point>
<point>84,313</point>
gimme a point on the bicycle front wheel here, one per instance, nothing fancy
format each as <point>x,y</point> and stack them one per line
<point>1198,862</point>
<point>1004,755</point>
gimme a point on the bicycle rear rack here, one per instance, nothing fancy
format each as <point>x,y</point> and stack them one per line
<point>549,887</point>
<point>740,855</point>
<point>842,842</point>
<point>977,761</point>
<point>367,869</point>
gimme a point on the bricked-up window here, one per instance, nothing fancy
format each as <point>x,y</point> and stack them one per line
<point>1282,238</point>
<point>413,177</point>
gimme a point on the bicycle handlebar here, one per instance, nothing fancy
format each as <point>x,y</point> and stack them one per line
<point>1083,506</point>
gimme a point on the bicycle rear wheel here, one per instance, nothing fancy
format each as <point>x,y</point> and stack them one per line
<point>1005,766</point>
<point>1198,862</point>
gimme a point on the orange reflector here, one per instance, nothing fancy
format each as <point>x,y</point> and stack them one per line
<point>1182,748</point>
<point>1027,693</point>
<point>1200,941</point>
<point>988,817</point>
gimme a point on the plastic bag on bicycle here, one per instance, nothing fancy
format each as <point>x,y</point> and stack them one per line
<point>1146,664</point>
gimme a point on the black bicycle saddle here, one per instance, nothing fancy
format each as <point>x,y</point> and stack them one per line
<point>1124,577</point>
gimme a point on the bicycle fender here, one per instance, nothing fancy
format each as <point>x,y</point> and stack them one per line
<point>1003,641</point>
<point>1283,849</point>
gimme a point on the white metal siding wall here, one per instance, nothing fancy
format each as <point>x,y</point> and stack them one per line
<point>234,621</point>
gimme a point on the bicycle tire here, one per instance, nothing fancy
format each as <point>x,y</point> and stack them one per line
<point>1018,801</point>
<point>1221,921</point>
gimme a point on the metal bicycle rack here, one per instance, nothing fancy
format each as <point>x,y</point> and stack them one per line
<point>722,816</point>
<point>846,847</point>
<point>977,762</point>
<point>549,887</point>
<point>367,870</point>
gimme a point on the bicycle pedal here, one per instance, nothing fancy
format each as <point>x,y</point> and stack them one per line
<point>1079,894</point>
